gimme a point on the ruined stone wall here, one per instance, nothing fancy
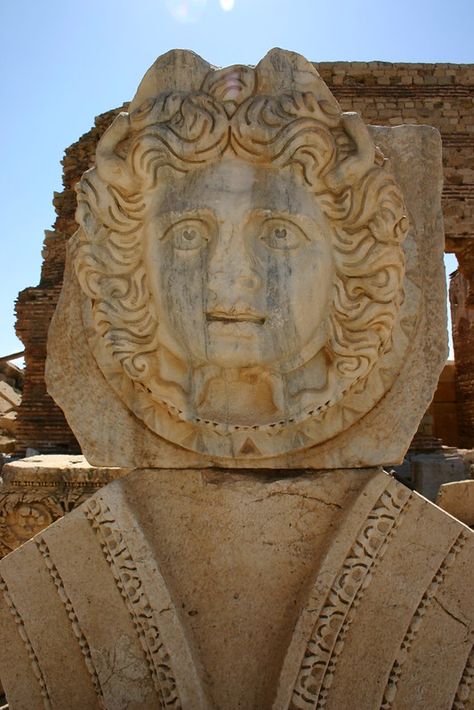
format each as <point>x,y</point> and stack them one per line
<point>463,340</point>
<point>41,424</point>
<point>441,95</point>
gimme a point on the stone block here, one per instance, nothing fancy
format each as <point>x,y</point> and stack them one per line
<point>225,590</point>
<point>430,471</point>
<point>255,293</point>
<point>457,499</point>
<point>40,489</point>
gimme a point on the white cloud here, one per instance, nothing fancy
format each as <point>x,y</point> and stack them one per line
<point>227,5</point>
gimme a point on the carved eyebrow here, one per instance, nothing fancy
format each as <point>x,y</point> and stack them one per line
<point>177,215</point>
<point>167,219</point>
<point>271,213</point>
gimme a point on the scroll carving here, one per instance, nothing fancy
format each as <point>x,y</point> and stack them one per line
<point>23,515</point>
<point>29,503</point>
<point>240,255</point>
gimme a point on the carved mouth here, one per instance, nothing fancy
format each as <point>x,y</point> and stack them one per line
<point>239,317</point>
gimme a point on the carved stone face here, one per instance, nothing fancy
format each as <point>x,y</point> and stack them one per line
<point>239,262</point>
<point>240,258</point>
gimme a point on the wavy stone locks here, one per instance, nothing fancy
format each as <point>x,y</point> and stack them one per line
<point>241,266</point>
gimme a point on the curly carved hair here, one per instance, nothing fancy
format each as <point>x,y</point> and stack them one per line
<point>184,131</point>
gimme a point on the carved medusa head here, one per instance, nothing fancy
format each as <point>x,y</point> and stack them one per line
<point>240,248</point>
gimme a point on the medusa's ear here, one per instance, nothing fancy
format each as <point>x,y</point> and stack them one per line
<point>280,71</point>
<point>178,70</point>
<point>358,163</point>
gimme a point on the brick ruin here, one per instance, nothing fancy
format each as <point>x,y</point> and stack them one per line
<point>441,95</point>
<point>463,340</point>
<point>41,424</point>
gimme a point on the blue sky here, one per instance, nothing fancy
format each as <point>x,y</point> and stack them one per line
<point>64,62</point>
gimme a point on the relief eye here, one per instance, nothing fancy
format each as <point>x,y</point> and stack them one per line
<point>285,237</point>
<point>186,237</point>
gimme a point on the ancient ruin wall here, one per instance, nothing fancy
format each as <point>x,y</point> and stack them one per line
<point>41,424</point>
<point>440,95</point>
<point>463,340</point>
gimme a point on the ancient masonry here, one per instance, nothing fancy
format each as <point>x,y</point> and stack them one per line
<point>41,424</point>
<point>463,340</point>
<point>440,95</point>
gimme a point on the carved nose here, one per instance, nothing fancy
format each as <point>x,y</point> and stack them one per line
<point>225,282</point>
<point>250,281</point>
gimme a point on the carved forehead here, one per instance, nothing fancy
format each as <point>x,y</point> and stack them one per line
<point>233,186</point>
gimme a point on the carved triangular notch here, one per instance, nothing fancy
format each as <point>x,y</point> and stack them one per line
<point>301,441</point>
<point>194,442</point>
<point>249,448</point>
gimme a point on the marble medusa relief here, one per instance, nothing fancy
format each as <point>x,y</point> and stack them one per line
<point>240,257</point>
<point>252,279</point>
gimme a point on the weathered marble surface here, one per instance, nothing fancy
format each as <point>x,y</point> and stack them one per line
<point>36,491</point>
<point>457,498</point>
<point>210,589</point>
<point>251,284</point>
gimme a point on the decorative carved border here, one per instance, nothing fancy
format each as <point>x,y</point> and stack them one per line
<point>37,672</point>
<point>415,623</point>
<point>49,499</point>
<point>127,578</point>
<point>76,628</point>
<point>327,639</point>
<point>464,688</point>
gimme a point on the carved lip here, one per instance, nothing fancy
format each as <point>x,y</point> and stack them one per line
<point>235,317</point>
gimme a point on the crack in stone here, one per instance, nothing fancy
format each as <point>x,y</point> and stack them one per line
<point>303,496</point>
<point>449,613</point>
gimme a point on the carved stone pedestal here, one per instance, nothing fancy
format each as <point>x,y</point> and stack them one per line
<point>457,498</point>
<point>209,589</point>
<point>40,489</point>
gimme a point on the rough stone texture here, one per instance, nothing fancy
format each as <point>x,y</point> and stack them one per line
<point>444,407</point>
<point>439,426</point>
<point>458,499</point>
<point>10,399</point>
<point>430,471</point>
<point>335,590</point>
<point>277,341</point>
<point>463,341</point>
<point>437,94</point>
<point>38,490</point>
